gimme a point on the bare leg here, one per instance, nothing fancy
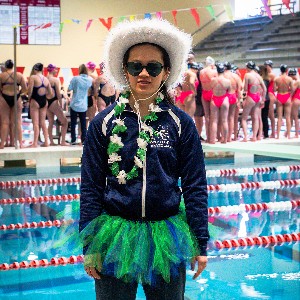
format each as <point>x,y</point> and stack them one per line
<point>247,107</point>
<point>19,123</point>
<point>57,110</point>
<point>101,104</point>
<point>271,114</point>
<point>224,120</point>
<point>42,120</point>
<point>236,122</point>
<point>287,114</point>
<point>90,114</point>
<point>190,105</point>
<point>199,124</point>
<point>279,118</point>
<point>5,113</point>
<point>206,107</point>
<point>295,108</point>
<point>255,120</point>
<point>214,117</point>
<point>50,116</point>
<point>231,115</point>
<point>34,113</point>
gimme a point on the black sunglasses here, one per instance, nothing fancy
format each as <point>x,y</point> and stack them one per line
<point>153,69</point>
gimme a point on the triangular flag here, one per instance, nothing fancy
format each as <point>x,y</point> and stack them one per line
<point>158,15</point>
<point>38,27</point>
<point>195,14</point>
<point>228,10</point>
<point>287,4</point>
<point>68,21</point>
<point>147,16</point>
<point>20,69</point>
<point>88,25</point>
<point>61,26</point>
<point>76,21</point>
<point>211,11</point>
<point>46,25</point>
<point>174,13</point>
<point>75,71</point>
<point>61,79</point>
<point>132,18</point>
<point>267,8</point>
<point>57,71</point>
<point>107,23</point>
<point>121,19</point>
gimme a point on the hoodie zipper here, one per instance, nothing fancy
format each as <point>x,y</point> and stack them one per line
<point>144,188</point>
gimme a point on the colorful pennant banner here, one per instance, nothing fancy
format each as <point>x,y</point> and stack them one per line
<point>267,8</point>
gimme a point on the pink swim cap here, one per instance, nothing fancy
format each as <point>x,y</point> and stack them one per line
<point>51,68</point>
<point>90,65</point>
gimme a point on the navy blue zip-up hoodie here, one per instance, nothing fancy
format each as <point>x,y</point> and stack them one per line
<point>154,195</point>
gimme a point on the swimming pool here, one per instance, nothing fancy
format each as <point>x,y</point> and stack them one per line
<point>247,206</point>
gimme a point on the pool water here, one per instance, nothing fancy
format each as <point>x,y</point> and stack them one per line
<point>256,272</point>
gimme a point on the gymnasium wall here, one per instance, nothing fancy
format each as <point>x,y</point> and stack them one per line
<point>78,46</point>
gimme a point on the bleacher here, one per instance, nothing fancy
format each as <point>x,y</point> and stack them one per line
<point>256,38</point>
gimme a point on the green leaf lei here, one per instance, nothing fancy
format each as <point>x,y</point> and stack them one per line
<point>145,136</point>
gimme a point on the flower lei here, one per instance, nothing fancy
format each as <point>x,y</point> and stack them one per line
<point>145,135</point>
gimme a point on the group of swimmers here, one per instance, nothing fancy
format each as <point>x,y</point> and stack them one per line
<point>216,93</point>
<point>45,102</point>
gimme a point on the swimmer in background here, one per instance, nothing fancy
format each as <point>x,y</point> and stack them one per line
<point>293,73</point>
<point>104,91</point>
<point>55,107</point>
<point>7,103</point>
<point>236,71</point>
<point>253,84</point>
<point>283,85</point>
<point>219,105</point>
<point>272,96</point>
<point>92,100</point>
<point>234,97</point>
<point>39,89</point>
<point>188,87</point>
<point>206,76</point>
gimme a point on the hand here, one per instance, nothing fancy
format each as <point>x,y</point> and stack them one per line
<point>92,272</point>
<point>202,262</point>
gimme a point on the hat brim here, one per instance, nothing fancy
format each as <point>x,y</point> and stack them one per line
<point>159,32</point>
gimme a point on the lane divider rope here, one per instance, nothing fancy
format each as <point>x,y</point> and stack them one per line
<point>231,187</point>
<point>259,241</point>
<point>209,173</point>
<point>212,211</point>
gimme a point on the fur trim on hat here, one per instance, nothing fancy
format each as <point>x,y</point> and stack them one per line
<point>160,32</point>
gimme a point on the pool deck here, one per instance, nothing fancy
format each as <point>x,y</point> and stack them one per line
<point>243,152</point>
<point>45,157</point>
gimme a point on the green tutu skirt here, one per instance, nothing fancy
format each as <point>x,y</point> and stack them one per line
<point>136,251</point>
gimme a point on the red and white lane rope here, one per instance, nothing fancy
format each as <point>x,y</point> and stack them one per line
<point>212,211</point>
<point>233,187</point>
<point>41,224</point>
<point>254,207</point>
<point>209,173</point>
<point>230,187</point>
<point>49,181</point>
<point>41,199</point>
<point>265,241</point>
<point>55,261</point>
<point>272,240</point>
<point>251,171</point>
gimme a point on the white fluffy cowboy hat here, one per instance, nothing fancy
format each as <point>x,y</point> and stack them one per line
<point>159,32</point>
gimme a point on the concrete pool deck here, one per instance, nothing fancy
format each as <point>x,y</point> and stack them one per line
<point>46,157</point>
<point>244,152</point>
